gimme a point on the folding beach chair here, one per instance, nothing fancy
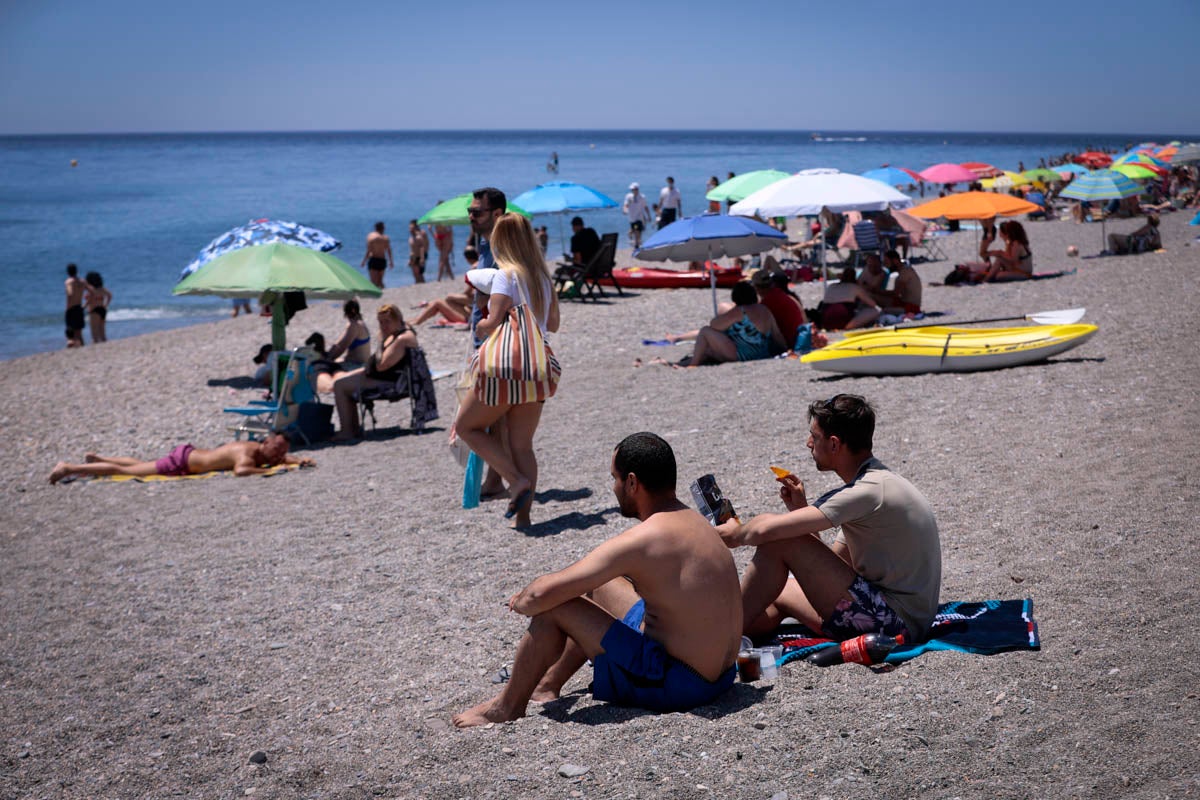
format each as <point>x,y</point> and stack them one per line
<point>866,240</point>
<point>587,278</point>
<point>281,413</point>
<point>414,383</point>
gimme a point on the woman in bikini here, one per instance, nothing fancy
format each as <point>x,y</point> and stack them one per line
<point>443,240</point>
<point>97,299</point>
<point>396,338</point>
<point>350,351</point>
<point>1015,261</point>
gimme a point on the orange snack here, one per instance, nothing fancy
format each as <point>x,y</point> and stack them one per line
<point>780,472</point>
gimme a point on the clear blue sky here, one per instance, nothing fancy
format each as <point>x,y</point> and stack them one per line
<point>80,66</point>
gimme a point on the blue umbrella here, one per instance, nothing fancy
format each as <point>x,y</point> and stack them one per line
<point>890,175</point>
<point>1101,184</point>
<point>1075,169</point>
<point>263,231</point>
<point>709,236</point>
<point>559,197</point>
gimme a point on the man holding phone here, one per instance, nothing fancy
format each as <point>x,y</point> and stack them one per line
<point>883,572</point>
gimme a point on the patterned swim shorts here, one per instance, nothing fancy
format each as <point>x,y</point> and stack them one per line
<point>868,612</point>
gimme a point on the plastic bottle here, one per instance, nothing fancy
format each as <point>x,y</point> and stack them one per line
<point>870,648</point>
<point>804,342</point>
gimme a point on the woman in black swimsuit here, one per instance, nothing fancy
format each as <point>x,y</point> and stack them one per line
<point>97,301</point>
<point>395,340</point>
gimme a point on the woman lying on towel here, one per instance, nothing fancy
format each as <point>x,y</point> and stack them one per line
<point>745,331</point>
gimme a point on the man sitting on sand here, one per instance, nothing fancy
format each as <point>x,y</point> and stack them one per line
<point>671,574</point>
<point>882,574</point>
<point>244,458</point>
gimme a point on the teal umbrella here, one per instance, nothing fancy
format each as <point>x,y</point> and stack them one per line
<point>454,211</point>
<point>1101,184</point>
<point>742,186</point>
<point>269,270</point>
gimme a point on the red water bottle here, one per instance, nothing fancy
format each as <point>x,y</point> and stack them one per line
<point>870,648</point>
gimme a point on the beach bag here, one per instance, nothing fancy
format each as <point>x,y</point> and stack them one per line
<point>516,365</point>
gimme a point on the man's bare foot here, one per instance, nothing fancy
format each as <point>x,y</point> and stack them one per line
<point>484,713</point>
<point>60,472</point>
<point>91,458</point>
<point>541,695</point>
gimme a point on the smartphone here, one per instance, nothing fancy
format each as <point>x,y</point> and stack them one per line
<point>710,502</point>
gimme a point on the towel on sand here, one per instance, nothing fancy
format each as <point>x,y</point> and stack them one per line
<point>985,628</point>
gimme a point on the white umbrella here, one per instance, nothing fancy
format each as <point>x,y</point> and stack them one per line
<point>807,192</point>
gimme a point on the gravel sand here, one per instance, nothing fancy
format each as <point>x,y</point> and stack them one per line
<point>157,636</point>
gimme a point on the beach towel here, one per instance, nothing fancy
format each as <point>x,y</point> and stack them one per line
<point>275,470</point>
<point>1037,276</point>
<point>983,628</point>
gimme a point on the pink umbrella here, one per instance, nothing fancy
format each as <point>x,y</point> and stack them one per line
<point>948,173</point>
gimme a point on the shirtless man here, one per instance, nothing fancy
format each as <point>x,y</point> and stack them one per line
<point>379,255</point>
<point>74,287</point>
<point>905,297</point>
<point>244,458</point>
<point>874,279</point>
<point>670,573</point>
<point>418,250</point>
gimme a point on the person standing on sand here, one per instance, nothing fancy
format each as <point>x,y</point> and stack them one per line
<point>74,288</point>
<point>98,299</point>
<point>670,205</point>
<point>656,608</point>
<point>418,251</point>
<point>244,458</point>
<point>379,255</point>
<point>882,574</point>
<point>443,240</point>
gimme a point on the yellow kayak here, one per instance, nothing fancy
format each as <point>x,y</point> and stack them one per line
<point>946,349</point>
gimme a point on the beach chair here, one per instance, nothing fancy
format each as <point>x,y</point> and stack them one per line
<point>586,279</point>
<point>283,412</point>
<point>415,383</point>
<point>866,240</point>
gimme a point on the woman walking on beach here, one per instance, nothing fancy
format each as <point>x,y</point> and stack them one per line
<point>97,300</point>
<point>523,279</point>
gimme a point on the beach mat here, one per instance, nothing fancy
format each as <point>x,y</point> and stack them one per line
<point>275,470</point>
<point>1037,276</point>
<point>983,628</point>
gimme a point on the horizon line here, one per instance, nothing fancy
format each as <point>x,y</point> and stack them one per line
<point>810,131</point>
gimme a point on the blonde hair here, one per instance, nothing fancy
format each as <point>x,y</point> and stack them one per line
<point>391,311</point>
<point>517,251</point>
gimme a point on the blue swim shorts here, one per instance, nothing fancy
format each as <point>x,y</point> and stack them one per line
<point>868,612</point>
<point>637,671</point>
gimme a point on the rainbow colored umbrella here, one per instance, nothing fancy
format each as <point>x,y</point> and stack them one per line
<point>1138,172</point>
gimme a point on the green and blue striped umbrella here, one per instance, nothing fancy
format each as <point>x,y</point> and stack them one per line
<point>1101,184</point>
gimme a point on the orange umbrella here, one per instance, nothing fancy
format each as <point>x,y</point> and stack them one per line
<point>974,205</point>
<point>1166,153</point>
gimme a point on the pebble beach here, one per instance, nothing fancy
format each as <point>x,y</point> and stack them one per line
<point>330,621</point>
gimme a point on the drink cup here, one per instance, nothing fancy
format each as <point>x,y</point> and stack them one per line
<point>749,665</point>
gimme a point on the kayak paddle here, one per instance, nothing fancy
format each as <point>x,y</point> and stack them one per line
<point>1064,316</point>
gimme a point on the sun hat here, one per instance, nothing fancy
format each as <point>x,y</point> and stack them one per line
<point>482,279</point>
<point>633,186</point>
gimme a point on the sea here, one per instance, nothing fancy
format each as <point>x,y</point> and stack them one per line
<point>138,208</point>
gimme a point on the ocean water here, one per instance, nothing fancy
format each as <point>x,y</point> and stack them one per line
<point>137,208</point>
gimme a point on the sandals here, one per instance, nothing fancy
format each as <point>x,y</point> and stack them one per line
<point>521,501</point>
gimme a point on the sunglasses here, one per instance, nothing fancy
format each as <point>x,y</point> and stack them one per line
<point>477,212</point>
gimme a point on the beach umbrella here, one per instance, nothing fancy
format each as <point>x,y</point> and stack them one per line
<point>1186,154</point>
<point>259,232</point>
<point>1093,159</point>
<point>1006,180</point>
<point>981,169</point>
<point>1104,184</point>
<point>1071,169</point>
<point>1041,174</point>
<point>1140,158</point>
<point>454,211</point>
<point>1166,153</point>
<point>948,173</point>
<point>559,197</point>
<point>709,236</point>
<point>974,205</point>
<point>806,193</point>
<point>275,269</point>
<point>741,186</point>
<point>892,176</point>
<point>1139,172</point>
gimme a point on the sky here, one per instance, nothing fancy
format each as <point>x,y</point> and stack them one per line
<point>81,66</point>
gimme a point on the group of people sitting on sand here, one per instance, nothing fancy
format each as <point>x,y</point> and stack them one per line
<point>659,609</point>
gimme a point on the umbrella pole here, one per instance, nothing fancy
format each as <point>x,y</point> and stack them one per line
<point>278,323</point>
<point>562,238</point>
<point>712,280</point>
